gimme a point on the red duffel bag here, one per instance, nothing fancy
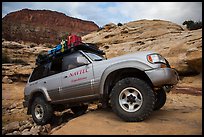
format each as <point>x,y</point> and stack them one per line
<point>73,40</point>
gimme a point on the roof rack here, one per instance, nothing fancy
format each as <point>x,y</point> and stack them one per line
<point>45,58</point>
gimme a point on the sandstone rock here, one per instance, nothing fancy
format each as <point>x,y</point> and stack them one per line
<point>26,132</point>
<point>182,48</point>
<point>26,126</point>
<point>14,105</point>
<point>6,80</point>
<point>9,134</point>
<point>11,127</point>
<point>24,122</point>
<point>194,60</point>
<point>34,130</point>
<point>110,26</point>
<point>16,133</point>
<point>47,128</point>
<point>30,25</point>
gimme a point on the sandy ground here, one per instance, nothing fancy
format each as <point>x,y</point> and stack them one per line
<point>181,115</point>
<point>12,97</point>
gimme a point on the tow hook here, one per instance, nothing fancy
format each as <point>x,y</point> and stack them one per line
<point>167,88</point>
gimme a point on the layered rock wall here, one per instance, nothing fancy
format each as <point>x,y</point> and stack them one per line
<point>43,26</point>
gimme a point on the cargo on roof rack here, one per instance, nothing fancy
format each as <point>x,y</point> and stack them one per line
<point>57,52</point>
<point>71,44</point>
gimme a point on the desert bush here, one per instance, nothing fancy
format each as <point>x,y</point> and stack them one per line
<point>100,28</point>
<point>191,25</point>
<point>120,24</point>
<point>5,58</point>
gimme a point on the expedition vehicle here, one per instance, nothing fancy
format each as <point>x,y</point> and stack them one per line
<point>133,84</point>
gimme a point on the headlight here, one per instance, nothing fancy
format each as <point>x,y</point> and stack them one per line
<point>156,58</point>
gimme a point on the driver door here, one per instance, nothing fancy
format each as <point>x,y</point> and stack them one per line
<point>77,77</point>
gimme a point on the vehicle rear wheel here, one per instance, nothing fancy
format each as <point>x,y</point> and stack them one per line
<point>132,99</point>
<point>41,111</point>
<point>79,110</point>
<point>160,99</point>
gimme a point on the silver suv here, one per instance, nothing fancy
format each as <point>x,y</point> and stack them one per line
<point>133,85</point>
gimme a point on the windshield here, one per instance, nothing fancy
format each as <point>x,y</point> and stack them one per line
<point>94,56</point>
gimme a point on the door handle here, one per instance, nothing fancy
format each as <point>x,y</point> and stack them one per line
<point>65,76</point>
<point>45,82</point>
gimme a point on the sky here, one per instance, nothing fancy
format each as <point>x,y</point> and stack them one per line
<point>103,13</point>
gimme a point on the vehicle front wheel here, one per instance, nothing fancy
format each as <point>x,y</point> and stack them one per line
<point>41,111</point>
<point>132,99</point>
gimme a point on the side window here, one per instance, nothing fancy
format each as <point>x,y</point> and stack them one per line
<point>72,61</point>
<point>55,66</point>
<point>48,69</point>
<point>37,73</point>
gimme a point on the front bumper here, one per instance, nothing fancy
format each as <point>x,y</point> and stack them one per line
<point>163,76</point>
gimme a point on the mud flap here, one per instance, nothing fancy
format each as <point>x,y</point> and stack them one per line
<point>167,88</point>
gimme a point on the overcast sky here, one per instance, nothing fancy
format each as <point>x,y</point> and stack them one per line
<point>105,12</point>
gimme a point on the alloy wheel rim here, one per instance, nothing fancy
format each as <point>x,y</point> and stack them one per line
<point>130,99</point>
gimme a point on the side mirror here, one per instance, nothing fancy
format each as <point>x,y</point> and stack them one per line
<point>82,60</point>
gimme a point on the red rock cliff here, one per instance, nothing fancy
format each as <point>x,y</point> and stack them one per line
<point>43,26</point>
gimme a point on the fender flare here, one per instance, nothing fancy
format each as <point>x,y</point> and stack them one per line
<point>121,65</point>
<point>39,90</point>
<point>43,91</point>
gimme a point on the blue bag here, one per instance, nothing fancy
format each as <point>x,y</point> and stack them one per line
<point>55,50</point>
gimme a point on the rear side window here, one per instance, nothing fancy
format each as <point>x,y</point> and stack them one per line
<point>48,69</point>
<point>56,66</point>
<point>37,73</point>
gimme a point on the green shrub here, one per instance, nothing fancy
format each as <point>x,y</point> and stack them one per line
<point>191,25</point>
<point>5,58</point>
<point>120,24</point>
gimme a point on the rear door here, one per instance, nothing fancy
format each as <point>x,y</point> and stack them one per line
<point>77,77</point>
<point>52,82</point>
<point>47,77</point>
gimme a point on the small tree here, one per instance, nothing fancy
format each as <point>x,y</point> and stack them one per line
<point>120,24</point>
<point>191,25</point>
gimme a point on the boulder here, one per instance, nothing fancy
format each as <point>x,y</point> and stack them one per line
<point>11,127</point>
<point>7,80</point>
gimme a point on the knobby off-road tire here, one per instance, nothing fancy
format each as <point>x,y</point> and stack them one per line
<point>160,99</point>
<point>79,110</point>
<point>41,111</point>
<point>132,99</point>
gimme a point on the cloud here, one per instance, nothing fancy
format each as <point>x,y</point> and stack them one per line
<point>173,11</point>
<point>105,12</point>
